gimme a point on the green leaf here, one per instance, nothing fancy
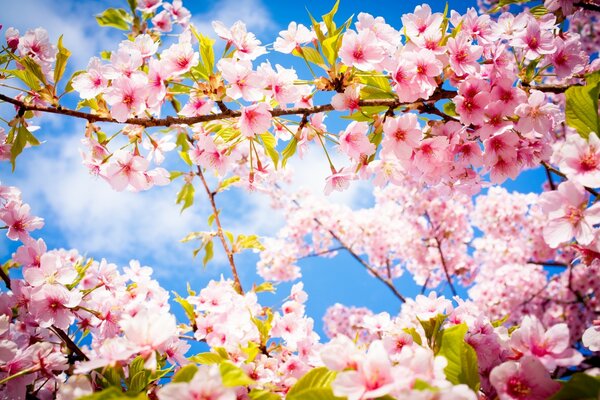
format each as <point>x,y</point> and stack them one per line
<point>264,326</point>
<point>251,351</point>
<point>22,138</point>
<point>256,394</point>
<point>25,76</point>
<point>116,18</point>
<point>186,196</point>
<point>207,56</point>
<point>269,142</point>
<point>33,67</point>
<point>234,376</point>
<point>264,287</point>
<point>61,60</point>
<point>185,374</point>
<point>538,11</point>
<point>315,385</point>
<point>415,335</point>
<point>207,358</point>
<point>331,47</point>
<point>432,328</point>
<point>311,55</point>
<point>289,151</point>
<point>581,108</point>
<point>69,85</point>
<point>248,242</point>
<point>462,358</point>
<point>581,386</point>
<point>225,183</point>
<point>328,19</point>
<point>187,307</point>
<point>186,157</point>
<point>139,382</point>
<point>450,109</point>
<point>208,253</point>
<point>114,393</point>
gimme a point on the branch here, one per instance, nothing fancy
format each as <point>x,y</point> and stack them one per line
<point>445,266</point>
<point>557,172</point>
<point>224,114</point>
<point>588,6</point>
<point>228,251</point>
<point>556,89</point>
<point>320,253</point>
<point>548,263</point>
<point>388,282</point>
<point>549,176</point>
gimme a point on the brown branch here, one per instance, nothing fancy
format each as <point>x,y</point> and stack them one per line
<point>5,277</point>
<point>557,172</point>
<point>227,113</point>
<point>388,282</point>
<point>556,89</point>
<point>445,266</point>
<point>229,252</point>
<point>549,177</point>
<point>320,253</point>
<point>586,5</point>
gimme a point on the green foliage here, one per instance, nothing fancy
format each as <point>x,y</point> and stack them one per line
<point>20,137</point>
<point>264,327</point>
<point>187,307</point>
<point>185,374</point>
<point>115,18</point>
<point>185,197</point>
<point>311,55</point>
<point>289,151</point>
<point>315,385</point>
<point>206,65</point>
<point>114,393</point>
<point>247,242</point>
<point>581,386</point>
<point>61,60</point>
<point>233,375</point>
<point>432,328</point>
<point>269,142</point>
<point>256,394</point>
<point>264,287</point>
<point>207,358</point>
<point>225,183</point>
<point>581,109</point>
<point>462,358</point>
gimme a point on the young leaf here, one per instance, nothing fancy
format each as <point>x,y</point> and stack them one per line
<point>186,196</point>
<point>580,386</point>
<point>208,253</point>
<point>61,60</point>
<point>462,358</point>
<point>289,151</point>
<point>207,358</point>
<point>22,138</point>
<point>185,374</point>
<point>234,376</point>
<point>316,384</point>
<point>581,109</point>
<point>116,18</point>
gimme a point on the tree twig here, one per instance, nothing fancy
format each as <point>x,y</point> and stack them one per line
<point>229,252</point>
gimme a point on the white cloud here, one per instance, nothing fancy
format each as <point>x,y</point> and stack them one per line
<point>75,20</point>
<point>252,12</point>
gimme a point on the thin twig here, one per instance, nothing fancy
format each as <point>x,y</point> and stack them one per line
<point>445,266</point>
<point>588,6</point>
<point>557,172</point>
<point>220,234</point>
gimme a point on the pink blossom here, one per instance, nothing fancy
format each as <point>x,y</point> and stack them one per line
<point>427,67</point>
<point>421,21</point>
<point>206,154</point>
<point>372,379</point>
<point>157,90</point>
<point>92,82</point>
<point>149,329</point>
<point>551,347</point>
<point>127,169</point>
<point>569,58</point>
<point>16,216</point>
<point>244,82</point>
<point>536,115</point>
<point>255,119</point>
<point>579,159</point>
<point>535,40</point>
<point>292,38</point>
<point>127,96</point>
<point>180,14</point>
<point>569,215</point>
<point>162,21</point>
<point>179,58</point>
<point>280,83</point>
<point>159,147</point>
<point>463,55</point>
<point>52,304</point>
<point>248,47</point>
<point>148,6</point>
<point>36,44</point>
<point>12,39</point>
<point>348,100</point>
<point>51,271</point>
<point>360,50</point>
<point>197,105</point>
<point>402,135</point>
<point>338,180</point>
<point>355,142</point>
<point>124,62</point>
<point>526,379</point>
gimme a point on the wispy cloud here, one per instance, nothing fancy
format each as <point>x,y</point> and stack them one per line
<point>252,12</point>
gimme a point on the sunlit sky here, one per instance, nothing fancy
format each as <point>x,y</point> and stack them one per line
<point>83,212</point>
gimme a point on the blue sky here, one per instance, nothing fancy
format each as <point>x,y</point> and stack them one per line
<point>83,212</point>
